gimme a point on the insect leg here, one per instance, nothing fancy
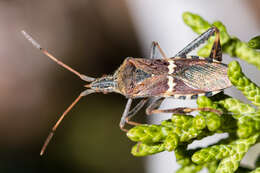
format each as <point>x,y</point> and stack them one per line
<point>154,51</point>
<point>216,52</point>
<point>197,42</point>
<point>54,128</point>
<point>154,105</point>
<point>133,112</point>
<point>184,110</point>
<point>125,114</point>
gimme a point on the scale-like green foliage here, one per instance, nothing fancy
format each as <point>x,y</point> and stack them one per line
<point>231,45</point>
<point>237,78</point>
<point>254,43</point>
<point>257,170</point>
<point>241,121</point>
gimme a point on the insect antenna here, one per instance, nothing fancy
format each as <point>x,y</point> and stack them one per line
<point>84,93</point>
<point>54,128</point>
<point>45,52</point>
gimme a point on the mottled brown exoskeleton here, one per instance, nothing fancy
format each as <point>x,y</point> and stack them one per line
<point>180,77</point>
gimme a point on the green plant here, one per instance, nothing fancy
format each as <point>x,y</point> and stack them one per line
<point>241,121</point>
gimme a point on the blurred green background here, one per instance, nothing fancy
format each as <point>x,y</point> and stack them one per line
<point>93,37</point>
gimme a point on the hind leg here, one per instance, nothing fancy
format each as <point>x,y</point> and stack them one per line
<point>153,109</point>
<point>185,110</point>
<point>198,41</point>
<point>154,105</point>
<point>216,51</point>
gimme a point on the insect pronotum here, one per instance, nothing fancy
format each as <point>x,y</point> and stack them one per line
<point>180,77</point>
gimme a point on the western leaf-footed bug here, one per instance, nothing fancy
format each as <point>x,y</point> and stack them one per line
<point>181,77</point>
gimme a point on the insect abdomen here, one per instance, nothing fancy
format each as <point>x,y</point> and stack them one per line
<point>207,77</point>
<point>194,76</point>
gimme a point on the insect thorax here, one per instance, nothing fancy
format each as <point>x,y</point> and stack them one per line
<point>128,76</point>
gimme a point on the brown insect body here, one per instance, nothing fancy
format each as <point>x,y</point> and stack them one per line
<point>182,77</point>
<point>172,77</point>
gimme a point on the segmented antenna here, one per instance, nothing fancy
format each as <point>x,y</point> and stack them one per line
<point>84,93</point>
<point>45,52</point>
<point>54,128</point>
<point>51,134</point>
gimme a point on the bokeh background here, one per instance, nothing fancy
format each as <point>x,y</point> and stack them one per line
<point>94,37</point>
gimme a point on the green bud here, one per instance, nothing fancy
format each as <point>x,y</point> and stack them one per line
<point>182,121</point>
<point>231,45</point>
<point>213,121</point>
<point>257,170</point>
<point>199,122</point>
<point>141,149</point>
<point>249,89</point>
<point>197,23</point>
<point>254,43</point>
<point>239,148</point>
<point>236,106</point>
<point>213,153</point>
<point>147,133</point>
<point>204,102</point>
<point>171,142</point>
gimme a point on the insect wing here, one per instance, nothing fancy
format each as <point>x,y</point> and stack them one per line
<point>151,66</point>
<point>153,86</point>
<point>204,75</point>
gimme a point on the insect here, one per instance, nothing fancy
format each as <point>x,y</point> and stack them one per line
<point>181,77</point>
